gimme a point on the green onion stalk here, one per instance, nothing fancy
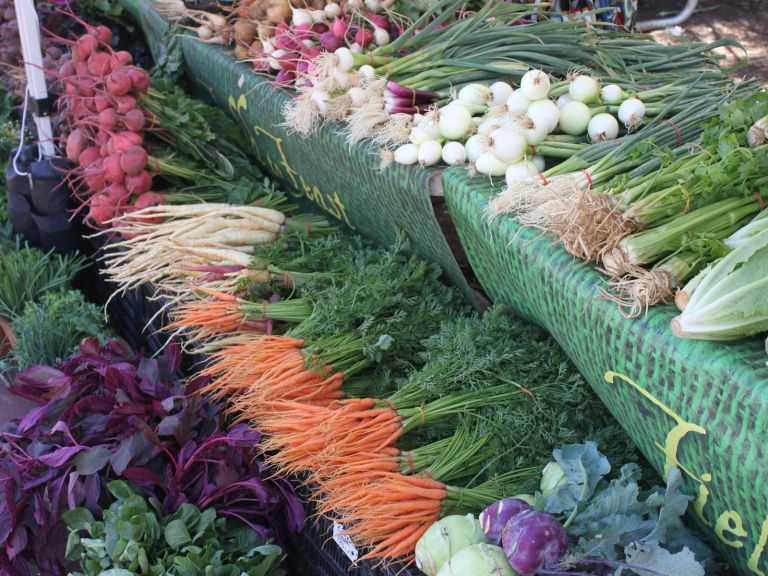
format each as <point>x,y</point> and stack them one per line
<point>715,221</point>
<point>635,294</point>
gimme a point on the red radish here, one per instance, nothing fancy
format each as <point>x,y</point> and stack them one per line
<point>139,184</point>
<point>118,82</point>
<point>94,176</point>
<point>303,31</point>
<point>121,58</point>
<point>98,64</point>
<point>85,86</point>
<point>66,70</point>
<point>86,45</point>
<point>81,68</point>
<point>134,121</point>
<point>124,140</point>
<point>117,194</point>
<point>80,108</point>
<point>379,21</point>
<point>339,28</point>
<point>364,37</point>
<point>104,34</point>
<point>76,143</point>
<point>139,78</point>
<point>149,199</point>
<point>89,156</point>
<point>101,103</point>
<point>125,104</point>
<point>108,119</point>
<point>101,209</point>
<point>330,42</point>
<point>71,89</point>
<point>134,160</point>
<point>112,171</point>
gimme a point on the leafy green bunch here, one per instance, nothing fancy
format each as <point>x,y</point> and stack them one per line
<point>134,538</point>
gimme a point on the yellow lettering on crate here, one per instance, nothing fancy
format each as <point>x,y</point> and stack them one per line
<point>754,560</point>
<point>730,521</point>
<point>674,436</point>
<point>703,498</point>
<point>330,203</point>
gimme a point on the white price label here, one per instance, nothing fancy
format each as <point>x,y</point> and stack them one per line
<point>344,542</point>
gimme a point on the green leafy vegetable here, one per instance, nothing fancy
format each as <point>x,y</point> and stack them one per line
<point>616,524</point>
<point>50,330</point>
<point>26,274</point>
<point>133,538</point>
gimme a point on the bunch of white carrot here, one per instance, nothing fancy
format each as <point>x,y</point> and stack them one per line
<point>174,247</point>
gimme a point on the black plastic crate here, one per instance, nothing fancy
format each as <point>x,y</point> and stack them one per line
<point>313,552</point>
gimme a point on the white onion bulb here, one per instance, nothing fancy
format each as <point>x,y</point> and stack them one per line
<point>346,58</point>
<point>430,153</point>
<point>631,112</point>
<point>507,145</point>
<point>517,103</point>
<point>380,37</point>
<point>612,94</point>
<point>539,162</point>
<point>476,145</point>
<point>475,94</point>
<point>407,154</point>
<point>301,17</point>
<point>419,135</point>
<point>574,118</point>
<point>583,89</point>
<point>563,100</point>
<point>499,93</point>
<point>454,153</point>
<point>332,9</point>
<point>603,127</point>
<point>489,165</point>
<point>519,171</point>
<point>454,122</point>
<point>546,112</point>
<point>535,85</point>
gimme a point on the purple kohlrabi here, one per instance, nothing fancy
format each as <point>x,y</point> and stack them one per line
<point>533,540</point>
<point>494,518</point>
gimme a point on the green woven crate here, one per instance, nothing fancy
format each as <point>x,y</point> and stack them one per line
<point>342,182</point>
<point>700,406</point>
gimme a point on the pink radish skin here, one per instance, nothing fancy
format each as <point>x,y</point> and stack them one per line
<point>134,121</point>
<point>108,119</point>
<point>100,209</point>
<point>133,161</point>
<point>104,34</point>
<point>89,156</point>
<point>117,194</point>
<point>112,171</point>
<point>121,58</point>
<point>139,184</point>
<point>76,143</point>
<point>86,45</point>
<point>139,78</point>
<point>98,64</point>
<point>147,200</point>
<point>94,176</point>
<point>125,104</point>
<point>118,82</point>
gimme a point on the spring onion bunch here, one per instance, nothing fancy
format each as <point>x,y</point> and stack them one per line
<point>439,53</point>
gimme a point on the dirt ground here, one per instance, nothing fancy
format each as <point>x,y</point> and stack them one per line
<point>744,20</point>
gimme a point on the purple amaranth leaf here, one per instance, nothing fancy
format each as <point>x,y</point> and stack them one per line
<point>92,491</point>
<point>59,456</point>
<point>32,418</point>
<point>41,384</point>
<point>17,543</point>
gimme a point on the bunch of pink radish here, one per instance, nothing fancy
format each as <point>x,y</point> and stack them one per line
<point>292,49</point>
<point>107,126</point>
